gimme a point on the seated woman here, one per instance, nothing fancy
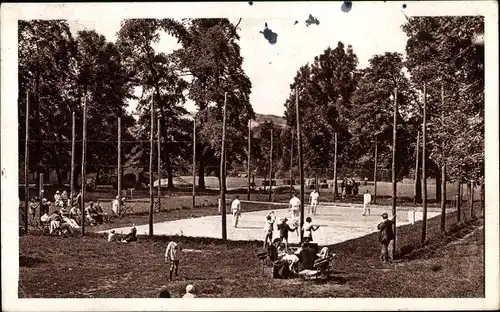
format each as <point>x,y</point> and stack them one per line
<point>101,215</point>
<point>91,214</point>
<point>75,214</point>
<point>55,221</point>
<point>131,237</point>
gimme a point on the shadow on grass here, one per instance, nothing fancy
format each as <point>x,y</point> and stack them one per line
<point>28,262</point>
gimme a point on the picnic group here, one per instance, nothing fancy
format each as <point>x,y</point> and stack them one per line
<point>64,214</point>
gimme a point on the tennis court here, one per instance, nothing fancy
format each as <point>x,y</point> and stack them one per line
<point>337,224</point>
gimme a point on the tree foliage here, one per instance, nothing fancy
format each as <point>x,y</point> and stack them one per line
<point>442,51</point>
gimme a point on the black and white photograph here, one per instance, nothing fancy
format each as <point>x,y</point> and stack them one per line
<point>302,153</point>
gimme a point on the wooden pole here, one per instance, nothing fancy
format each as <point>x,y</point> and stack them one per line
<point>394,182</point>
<point>194,162</point>
<point>291,165</point>
<point>271,168</point>
<point>375,167</point>
<point>119,168</point>
<point>249,159</point>
<point>151,170</point>
<point>415,192</point>
<point>73,147</point>
<point>424,171</point>
<point>443,172</point>
<point>158,138</point>
<point>26,164</point>
<point>459,201</point>
<point>40,193</point>
<point>335,178</point>
<point>301,161</point>
<point>84,161</point>
<point>471,199</point>
<point>222,171</point>
<point>443,198</point>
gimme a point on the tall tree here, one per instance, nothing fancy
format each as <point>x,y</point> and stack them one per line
<point>102,79</point>
<point>45,59</point>
<point>156,74</point>
<point>325,89</point>
<point>210,54</point>
<point>371,114</point>
<point>444,50</point>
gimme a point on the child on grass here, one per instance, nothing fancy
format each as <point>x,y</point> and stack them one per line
<point>173,254</point>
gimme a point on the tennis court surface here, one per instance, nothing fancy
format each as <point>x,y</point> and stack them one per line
<point>337,224</point>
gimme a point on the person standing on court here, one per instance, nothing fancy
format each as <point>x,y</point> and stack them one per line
<point>269,228</point>
<point>284,228</point>
<point>294,207</point>
<point>313,199</point>
<point>385,236</point>
<point>367,199</point>
<point>307,229</point>
<point>236,210</point>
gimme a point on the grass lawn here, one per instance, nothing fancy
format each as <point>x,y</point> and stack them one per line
<point>56,267</point>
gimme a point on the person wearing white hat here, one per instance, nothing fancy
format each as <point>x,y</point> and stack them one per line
<point>115,206</point>
<point>189,292</point>
<point>57,199</point>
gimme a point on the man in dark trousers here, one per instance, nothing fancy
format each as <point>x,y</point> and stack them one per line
<point>385,235</point>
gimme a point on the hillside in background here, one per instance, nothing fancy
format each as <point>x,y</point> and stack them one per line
<point>260,118</point>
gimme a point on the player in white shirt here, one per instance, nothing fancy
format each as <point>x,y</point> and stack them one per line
<point>313,199</point>
<point>367,198</point>
<point>294,207</point>
<point>236,210</point>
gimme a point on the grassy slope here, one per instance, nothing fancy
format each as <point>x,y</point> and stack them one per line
<point>90,267</point>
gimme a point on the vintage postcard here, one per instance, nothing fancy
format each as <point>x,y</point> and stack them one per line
<point>250,156</point>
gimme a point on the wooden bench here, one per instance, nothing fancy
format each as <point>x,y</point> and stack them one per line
<point>322,268</point>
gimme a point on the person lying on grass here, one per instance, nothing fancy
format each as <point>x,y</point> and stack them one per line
<point>269,228</point>
<point>173,254</point>
<point>131,237</point>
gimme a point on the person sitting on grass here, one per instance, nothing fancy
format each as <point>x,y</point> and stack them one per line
<point>173,254</point>
<point>284,228</point>
<point>57,199</point>
<point>164,294</point>
<point>55,221</point>
<point>269,228</point>
<point>189,292</point>
<point>307,256</point>
<point>130,237</point>
<point>307,229</point>
<point>75,214</point>
<point>91,214</point>
<point>101,215</point>
<point>64,198</point>
<point>111,236</point>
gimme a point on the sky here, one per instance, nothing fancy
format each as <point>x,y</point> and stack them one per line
<point>370,28</point>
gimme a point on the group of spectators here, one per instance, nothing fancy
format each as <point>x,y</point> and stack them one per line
<point>67,215</point>
<point>349,186</point>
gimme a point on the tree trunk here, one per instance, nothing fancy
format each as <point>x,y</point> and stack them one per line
<point>59,176</point>
<point>438,185</point>
<point>97,176</point>
<point>201,172</point>
<point>418,187</point>
<point>165,152</point>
